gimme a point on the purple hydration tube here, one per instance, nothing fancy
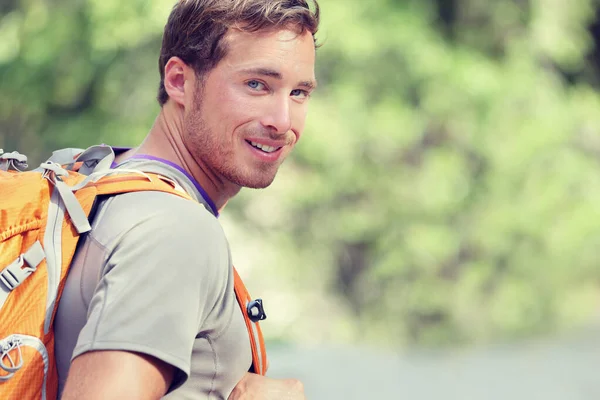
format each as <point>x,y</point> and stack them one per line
<point>199,188</point>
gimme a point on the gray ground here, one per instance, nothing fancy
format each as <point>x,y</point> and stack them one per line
<point>558,369</point>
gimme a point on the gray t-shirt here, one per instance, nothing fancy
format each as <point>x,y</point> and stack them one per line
<point>154,276</point>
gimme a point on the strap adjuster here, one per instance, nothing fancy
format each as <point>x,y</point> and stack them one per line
<point>58,170</point>
<point>13,161</point>
<point>15,273</point>
<point>256,311</point>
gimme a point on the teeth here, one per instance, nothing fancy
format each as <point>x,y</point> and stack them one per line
<point>266,149</point>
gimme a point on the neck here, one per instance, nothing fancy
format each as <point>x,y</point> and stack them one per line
<point>165,141</point>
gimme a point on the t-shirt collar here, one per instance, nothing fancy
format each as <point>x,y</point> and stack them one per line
<point>139,158</point>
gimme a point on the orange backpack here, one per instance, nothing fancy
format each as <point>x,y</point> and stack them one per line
<point>42,214</point>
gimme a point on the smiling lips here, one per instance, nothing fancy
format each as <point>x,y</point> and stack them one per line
<point>264,147</point>
<point>270,153</point>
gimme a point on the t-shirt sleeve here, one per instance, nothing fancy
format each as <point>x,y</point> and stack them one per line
<point>160,281</point>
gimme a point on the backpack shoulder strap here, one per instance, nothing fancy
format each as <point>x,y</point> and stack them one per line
<point>253,313</point>
<point>137,182</point>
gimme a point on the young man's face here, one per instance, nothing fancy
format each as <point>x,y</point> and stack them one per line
<point>251,110</point>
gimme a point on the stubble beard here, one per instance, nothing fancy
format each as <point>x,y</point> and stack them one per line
<point>220,158</point>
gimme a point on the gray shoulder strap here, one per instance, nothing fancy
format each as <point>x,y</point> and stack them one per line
<point>64,156</point>
<point>96,159</point>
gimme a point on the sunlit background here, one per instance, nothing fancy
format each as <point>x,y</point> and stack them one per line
<point>436,233</point>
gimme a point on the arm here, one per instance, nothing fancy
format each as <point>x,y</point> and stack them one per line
<point>159,279</point>
<point>258,387</point>
<point>131,376</point>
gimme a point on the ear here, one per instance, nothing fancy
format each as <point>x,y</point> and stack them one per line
<point>178,77</point>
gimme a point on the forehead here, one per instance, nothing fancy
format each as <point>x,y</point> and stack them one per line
<point>281,49</point>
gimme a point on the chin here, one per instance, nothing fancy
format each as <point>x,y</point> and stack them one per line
<point>253,178</point>
<point>257,181</point>
<point>258,184</point>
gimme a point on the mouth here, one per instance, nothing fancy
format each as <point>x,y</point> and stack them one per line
<point>264,148</point>
<point>273,152</point>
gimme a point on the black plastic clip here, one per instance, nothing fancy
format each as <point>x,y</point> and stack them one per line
<point>256,311</point>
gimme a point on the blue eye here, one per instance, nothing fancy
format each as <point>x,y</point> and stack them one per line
<point>256,85</point>
<point>299,92</point>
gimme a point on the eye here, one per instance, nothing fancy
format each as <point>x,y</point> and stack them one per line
<point>255,85</point>
<point>299,93</point>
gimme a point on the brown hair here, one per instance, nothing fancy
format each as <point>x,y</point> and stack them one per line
<point>195,29</point>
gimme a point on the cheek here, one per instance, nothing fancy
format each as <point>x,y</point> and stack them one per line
<point>232,109</point>
<point>220,120</point>
<point>299,120</point>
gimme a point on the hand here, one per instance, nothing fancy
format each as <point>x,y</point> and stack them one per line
<point>257,387</point>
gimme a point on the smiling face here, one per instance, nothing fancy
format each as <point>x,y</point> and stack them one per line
<point>249,111</point>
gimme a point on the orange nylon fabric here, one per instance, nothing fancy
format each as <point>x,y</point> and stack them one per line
<point>135,183</point>
<point>23,221</point>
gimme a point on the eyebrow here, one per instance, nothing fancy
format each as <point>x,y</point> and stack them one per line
<point>277,75</point>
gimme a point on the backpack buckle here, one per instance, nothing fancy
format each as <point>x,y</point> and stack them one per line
<point>13,275</point>
<point>256,311</point>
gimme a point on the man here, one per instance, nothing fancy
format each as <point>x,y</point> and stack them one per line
<point>148,308</point>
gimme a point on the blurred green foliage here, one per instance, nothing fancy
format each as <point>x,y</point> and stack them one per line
<point>446,189</point>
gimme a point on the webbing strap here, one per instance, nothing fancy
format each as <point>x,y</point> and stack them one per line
<point>73,207</point>
<point>14,274</point>
<point>76,213</point>
<point>53,172</point>
<point>257,342</point>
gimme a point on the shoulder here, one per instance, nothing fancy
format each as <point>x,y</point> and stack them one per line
<point>165,269</point>
<point>155,213</point>
<point>155,230</point>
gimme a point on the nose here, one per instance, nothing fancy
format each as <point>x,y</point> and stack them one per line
<point>277,117</point>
